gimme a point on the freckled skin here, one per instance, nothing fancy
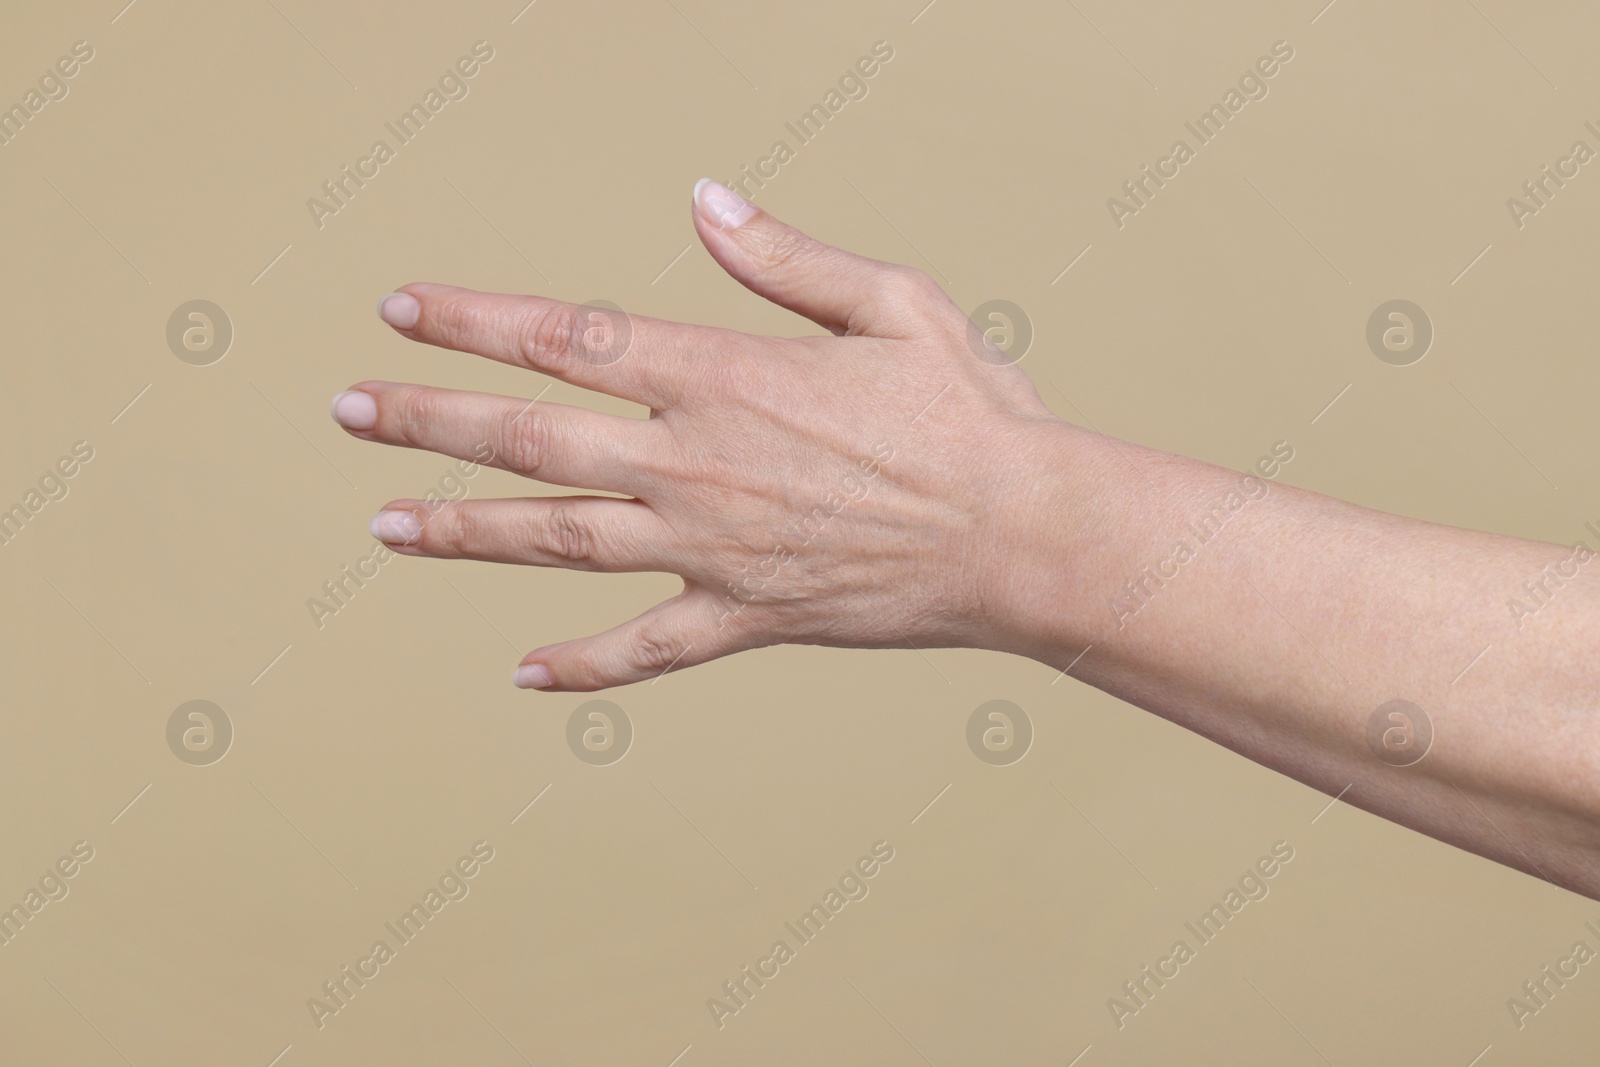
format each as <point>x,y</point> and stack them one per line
<point>887,487</point>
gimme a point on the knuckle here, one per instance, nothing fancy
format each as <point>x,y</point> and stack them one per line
<point>781,247</point>
<point>454,320</point>
<point>525,443</point>
<point>547,335</point>
<point>414,411</point>
<point>568,538</point>
<point>909,286</point>
<point>652,652</point>
<point>451,529</point>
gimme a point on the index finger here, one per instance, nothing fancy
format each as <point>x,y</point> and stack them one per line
<point>592,346</point>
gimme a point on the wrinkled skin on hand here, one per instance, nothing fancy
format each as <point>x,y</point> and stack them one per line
<point>842,490</point>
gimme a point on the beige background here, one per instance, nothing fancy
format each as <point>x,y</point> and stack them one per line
<point>371,753</point>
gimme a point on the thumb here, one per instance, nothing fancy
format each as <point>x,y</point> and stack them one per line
<point>838,290</point>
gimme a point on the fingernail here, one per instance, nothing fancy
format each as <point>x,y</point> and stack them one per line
<point>354,410</point>
<point>395,527</point>
<point>399,310</point>
<point>722,205</point>
<point>531,676</point>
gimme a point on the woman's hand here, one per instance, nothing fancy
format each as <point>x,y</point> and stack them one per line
<point>900,484</point>
<point>844,490</point>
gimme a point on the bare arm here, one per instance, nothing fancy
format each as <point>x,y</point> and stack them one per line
<point>900,482</point>
<point>1285,626</point>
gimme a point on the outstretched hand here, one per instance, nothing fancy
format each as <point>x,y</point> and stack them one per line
<point>842,490</point>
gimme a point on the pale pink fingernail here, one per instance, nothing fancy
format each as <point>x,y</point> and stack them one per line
<point>395,527</point>
<point>354,410</point>
<point>531,676</point>
<point>399,310</point>
<point>722,205</point>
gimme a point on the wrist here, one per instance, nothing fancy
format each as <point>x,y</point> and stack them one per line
<point>1049,524</point>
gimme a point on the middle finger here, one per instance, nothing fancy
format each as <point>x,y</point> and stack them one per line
<point>553,443</point>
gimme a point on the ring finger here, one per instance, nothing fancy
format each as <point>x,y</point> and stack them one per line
<point>585,533</point>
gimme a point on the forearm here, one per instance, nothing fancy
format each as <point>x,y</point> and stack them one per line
<point>900,481</point>
<point>1279,627</point>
